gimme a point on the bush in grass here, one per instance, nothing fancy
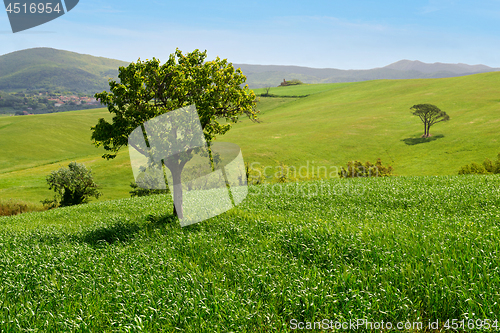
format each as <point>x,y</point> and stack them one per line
<point>73,185</point>
<point>487,168</point>
<point>473,168</point>
<point>255,175</point>
<point>358,169</point>
<point>141,192</point>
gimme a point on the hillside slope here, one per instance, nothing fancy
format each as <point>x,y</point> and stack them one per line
<point>51,69</point>
<point>372,119</point>
<point>334,124</point>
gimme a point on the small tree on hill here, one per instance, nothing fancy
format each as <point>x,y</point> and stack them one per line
<point>73,185</point>
<point>430,115</point>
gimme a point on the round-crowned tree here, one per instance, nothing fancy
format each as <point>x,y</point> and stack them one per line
<point>73,185</point>
<point>430,115</point>
<point>148,89</point>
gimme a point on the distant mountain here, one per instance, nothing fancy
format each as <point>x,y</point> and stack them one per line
<point>460,69</point>
<point>51,69</point>
<point>272,75</point>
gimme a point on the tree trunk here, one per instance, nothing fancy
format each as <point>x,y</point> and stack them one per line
<point>176,175</point>
<point>426,130</point>
<point>176,166</point>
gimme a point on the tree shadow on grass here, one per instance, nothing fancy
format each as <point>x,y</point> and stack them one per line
<point>416,141</point>
<point>119,231</point>
<point>123,231</point>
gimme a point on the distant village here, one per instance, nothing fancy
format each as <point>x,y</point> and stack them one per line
<point>72,100</point>
<point>27,103</point>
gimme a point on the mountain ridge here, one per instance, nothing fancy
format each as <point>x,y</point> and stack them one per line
<point>52,69</point>
<point>48,68</point>
<point>459,68</point>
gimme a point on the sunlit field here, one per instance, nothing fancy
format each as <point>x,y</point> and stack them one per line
<point>392,249</point>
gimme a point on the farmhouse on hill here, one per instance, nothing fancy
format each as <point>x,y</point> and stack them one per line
<point>289,82</point>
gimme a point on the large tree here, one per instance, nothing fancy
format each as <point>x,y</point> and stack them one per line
<point>430,115</point>
<point>148,89</point>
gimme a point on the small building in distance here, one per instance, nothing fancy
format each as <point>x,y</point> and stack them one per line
<point>292,82</point>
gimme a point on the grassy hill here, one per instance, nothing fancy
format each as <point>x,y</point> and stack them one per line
<point>33,146</point>
<point>370,120</point>
<point>51,69</point>
<point>334,124</point>
<point>398,249</point>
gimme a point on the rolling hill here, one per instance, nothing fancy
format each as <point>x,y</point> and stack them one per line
<point>334,124</point>
<point>51,69</point>
<point>270,75</point>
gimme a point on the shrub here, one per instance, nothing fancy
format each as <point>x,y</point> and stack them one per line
<point>285,173</point>
<point>294,82</point>
<point>73,186</point>
<point>141,192</point>
<point>255,175</point>
<point>487,168</point>
<point>357,169</point>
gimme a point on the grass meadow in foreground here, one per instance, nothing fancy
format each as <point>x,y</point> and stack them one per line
<point>395,249</point>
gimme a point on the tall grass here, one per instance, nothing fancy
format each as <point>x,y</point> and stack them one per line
<point>392,249</point>
<point>14,207</point>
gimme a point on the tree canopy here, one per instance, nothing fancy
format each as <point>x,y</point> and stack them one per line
<point>430,115</point>
<point>148,89</point>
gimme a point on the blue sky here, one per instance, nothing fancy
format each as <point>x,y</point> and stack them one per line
<point>334,34</point>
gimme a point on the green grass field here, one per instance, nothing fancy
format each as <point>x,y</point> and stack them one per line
<point>302,89</point>
<point>394,249</point>
<point>334,124</point>
<point>371,119</point>
<point>33,146</point>
<point>421,247</point>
